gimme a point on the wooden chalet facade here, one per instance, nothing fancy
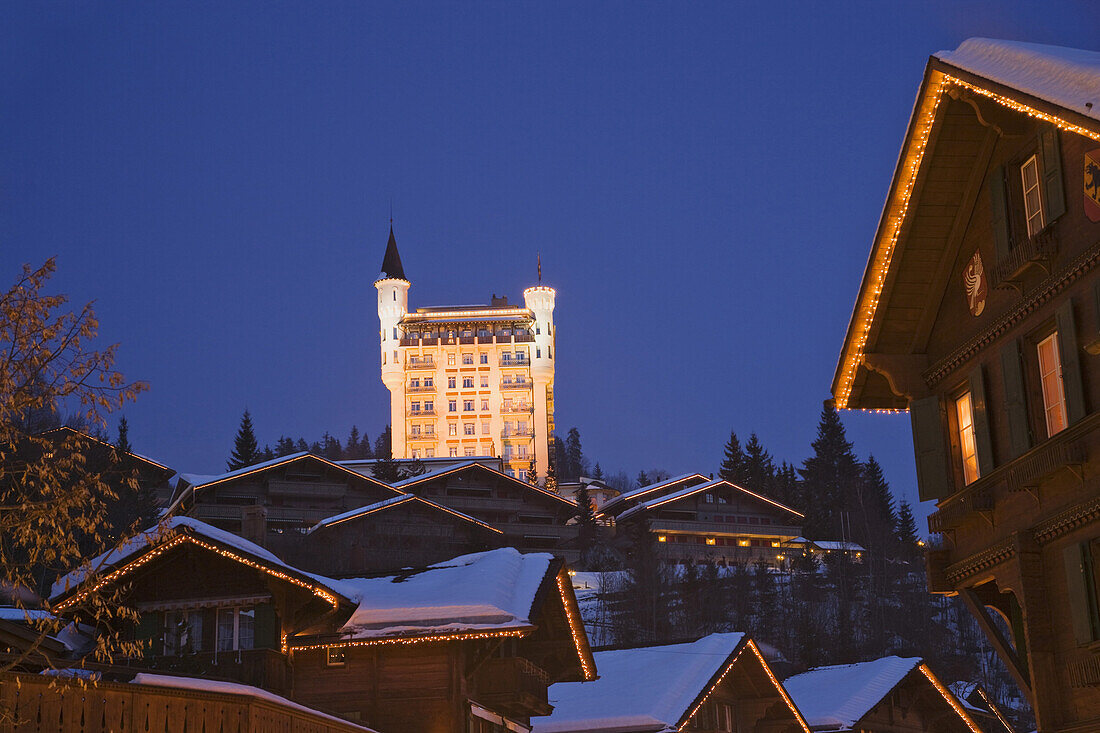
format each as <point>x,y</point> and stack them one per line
<point>471,644</point>
<point>695,519</point>
<point>719,683</point>
<point>979,312</point>
<point>887,695</point>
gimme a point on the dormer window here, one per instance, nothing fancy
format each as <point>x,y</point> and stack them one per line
<point>1033,200</point>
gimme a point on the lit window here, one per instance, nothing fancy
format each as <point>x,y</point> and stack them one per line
<point>965,414</point>
<point>452,405</point>
<point>1054,395</point>
<point>742,543</point>
<point>1033,202</point>
<point>453,452</point>
<point>416,453</point>
<point>467,358</point>
<point>452,428</point>
<point>468,428</point>
<point>484,380</point>
<point>235,628</point>
<point>334,657</point>
<point>662,538</point>
<point>429,453</point>
<point>467,383</point>
<point>710,541</point>
<point>484,358</point>
<point>450,359</point>
<point>485,405</point>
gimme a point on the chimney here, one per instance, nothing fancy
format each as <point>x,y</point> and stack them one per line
<point>254,524</point>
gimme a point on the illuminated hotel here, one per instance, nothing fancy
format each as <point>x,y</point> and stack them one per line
<point>468,380</point>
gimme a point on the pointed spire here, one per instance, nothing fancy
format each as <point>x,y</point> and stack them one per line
<point>540,268</point>
<point>391,263</point>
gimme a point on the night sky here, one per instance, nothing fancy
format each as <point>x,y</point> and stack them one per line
<point>702,181</point>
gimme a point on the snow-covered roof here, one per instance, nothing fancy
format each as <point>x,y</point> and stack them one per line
<point>164,530</point>
<point>837,545</point>
<point>234,688</point>
<point>23,615</point>
<point>1067,77</point>
<point>413,480</point>
<point>648,688</point>
<point>635,493</point>
<point>686,492</point>
<point>485,591</point>
<point>836,697</point>
<point>389,504</point>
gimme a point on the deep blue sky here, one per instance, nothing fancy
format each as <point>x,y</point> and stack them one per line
<point>702,180</point>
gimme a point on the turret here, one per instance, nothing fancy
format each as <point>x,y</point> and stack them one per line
<point>393,304</point>
<point>540,300</point>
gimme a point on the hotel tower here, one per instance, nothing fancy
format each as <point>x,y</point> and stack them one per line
<point>470,380</point>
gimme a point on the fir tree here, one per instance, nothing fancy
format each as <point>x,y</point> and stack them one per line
<point>416,467</point>
<point>331,448</point>
<point>351,447</point>
<point>123,442</point>
<point>551,476</point>
<point>365,449</point>
<point>586,521</point>
<point>267,454</point>
<point>574,455</point>
<point>642,480</point>
<point>386,469</point>
<point>785,489</point>
<point>301,446</point>
<point>284,446</point>
<point>733,464</point>
<point>829,478</point>
<point>532,473</point>
<point>907,529</point>
<point>597,472</point>
<point>879,517</point>
<point>765,609</point>
<point>245,449</point>
<point>759,467</point>
<point>383,445</point>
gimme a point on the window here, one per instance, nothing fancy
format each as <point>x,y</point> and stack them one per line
<point>507,404</point>
<point>334,656</point>
<point>467,405</point>
<point>469,451</point>
<point>236,628</point>
<point>467,358</point>
<point>429,406</point>
<point>1033,202</point>
<point>484,381</point>
<point>538,352</point>
<point>468,428</point>
<point>452,428</point>
<point>416,453</point>
<point>484,358</point>
<point>467,383</point>
<point>429,382</point>
<point>395,333</point>
<point>452,382</point>
<point>429,453</point>
<point>453,452</point>
<point>485,405</point>
<point>414,407</point>
<point>484,427</point>
<point>182,632</point>
<point>383,358</point>
<point>452,405</point>
<point>414,382</point>
<point>450,359</point>
<point>965,414</point>
<point>415,430</point>
<point>1054,394</point>
<point>709,498</point>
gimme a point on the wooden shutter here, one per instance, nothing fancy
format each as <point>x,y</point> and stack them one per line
<point>1055,195</point>
<point>982,439</point>
<point>1012,371</point>
<point>266,632</point>
<point>1081,592</point>
<point>933,469</point>
<point>999,207</point>
<point>1071,363</point>
<point>147,630</point>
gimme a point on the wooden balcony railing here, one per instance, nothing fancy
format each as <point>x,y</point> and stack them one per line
<point>266,668</point>
<point>514,686</point>
<point>1026,251</point>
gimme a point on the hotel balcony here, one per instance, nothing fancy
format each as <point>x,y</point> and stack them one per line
<point>515,362</point>
<point>421,388</point>
<point>424,436</point>
<point>420,413</point>
<point>517,434</point>
<point>518,409</point>
<point>419,364</point>
<point>516,385</point>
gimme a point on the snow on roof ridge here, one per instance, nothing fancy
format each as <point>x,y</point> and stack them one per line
<point>248,469</point>
<point>650,487</point>
<point>432,474</point>
<point>1067,77</point>
<point>394,501</point>
<point>642,686</point>
<point>399,485</point>
<point>233,688</point>
<point>840,695</point>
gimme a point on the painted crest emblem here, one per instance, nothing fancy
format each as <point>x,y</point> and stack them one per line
<point>1092,184</point>
<point>975,281</point>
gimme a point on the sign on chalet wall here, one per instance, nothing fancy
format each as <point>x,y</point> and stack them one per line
<point>1092,184</point>
<point>976,284</point>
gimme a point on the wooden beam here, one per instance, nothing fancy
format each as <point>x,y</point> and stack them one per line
<point>963,213</point>
<point>1001,645</point>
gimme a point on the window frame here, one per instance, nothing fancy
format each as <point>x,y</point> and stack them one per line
<point>1057,374</point>
<point>1039,213</point>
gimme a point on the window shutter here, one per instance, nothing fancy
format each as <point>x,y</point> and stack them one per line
<point>982,439</point>
<point>267,627</point>
<point>999,207</point>
<point>148,627</point>
<point>1052,174</point>
<point>1071,364</point>
<point>933,475</point>
<point>1015,401</point>
<point>1082,606</point>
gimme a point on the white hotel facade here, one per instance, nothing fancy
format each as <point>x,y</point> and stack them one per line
<point>468,381</point>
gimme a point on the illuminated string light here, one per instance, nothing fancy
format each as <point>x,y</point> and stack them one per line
<point>576,628</point>
<point>399,502</point>
<point>949,698</point>
<point>884,251</point>
<point>432,638</point>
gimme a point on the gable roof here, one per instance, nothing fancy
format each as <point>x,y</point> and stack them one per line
<point>648,688</point>
<point>132,553</point>
<point>838,697</point>
<point>643,490</point>
<point>659,501</point>
<point>474,466</point>
<point>1045,83</point>
<point>390,504</point>
<point>138,456</point>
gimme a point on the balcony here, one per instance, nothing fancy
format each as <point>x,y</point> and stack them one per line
<point>517,434</point>
<point>412,364</point>
<point>1037,250</point>
<point>420,413</point>
<point>467,340</point>
<point>513,686</point>
<point>518,410</point>
<point>422,437</point>
<point>420,388</point>
<point>724,528</point>
<point>516,385</point>
<point>528,339</point>
<point>265,668</point>
<point>485,339</point>
<point>515,362</point>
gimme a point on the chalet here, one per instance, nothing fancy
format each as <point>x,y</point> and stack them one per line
<point>825,549</point>
<point>888,695</point>
<point>599,493</point>
<point>531,517</point>
<point>406,530</point>
<point>619,504</point>
<point>979,313</point>
<point>472,643</point>
<point>714,520</point>
<point>718,683</point>
<point>275,502</point>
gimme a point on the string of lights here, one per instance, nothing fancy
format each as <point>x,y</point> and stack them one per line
<point>391,640</point>
<point>575,627</point>
<point>949,698</point>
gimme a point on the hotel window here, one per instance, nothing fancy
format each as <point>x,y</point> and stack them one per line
<point>450,359</point>
<point>429,406</point>
<point>452,382</point>
<point>416,453</point>
<point>414,382</point>
<point>484,358</point>
<point>467,383</point>
<point>452,429</point>
<point>507,404</point>
<point>236,628</point>
<point>467,358</point>
<point>485,405</point>
<point>507,427</point>
<point>468,428</point>
<point>429,382</point>
<point>484,427</point>
<point>467,405</point>
<point>429,453</point>
<point>469,451</point>
<point>521,427</point>
<point>538,352</point>
<point>395,333</point>
<point>414,406</point>
<point>415,429</point>
<point>452,405</point>
<point>395,356</point>
<point>709,498</point>
<point>452,452</point>
<point>429,429</point>
<point>484,381</point>
<point>521,451</point>
<point>1033,201</point>
<point>1050,376</point>
<point>964,413</point>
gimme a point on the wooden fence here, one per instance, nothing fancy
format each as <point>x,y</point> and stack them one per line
<point>28,704</point>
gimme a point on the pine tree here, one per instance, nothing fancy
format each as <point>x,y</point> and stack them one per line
<point>879,517</point>
<point>532,473</point>
<point>415,467</point>
<point>245,449</point>
<point>123,442</point>
<point>330,447</point>
<point>765,610</point>
<point>365,449</point>
<point>301,446</point>
<point>267,454</point>
<point>284,446</point>
<point>643,479</point>
<point>586,521</point>
<point>759,467</point>
<point>551,476</point>
<point>597,472</point>
<point>351,447</point>
<point>829,478</point>
<point>574,455</point>
<point>785,490</point>
<point>733,464</point>
<point>386,469</point>
<point>907,530</point>
<point>383,445</point>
